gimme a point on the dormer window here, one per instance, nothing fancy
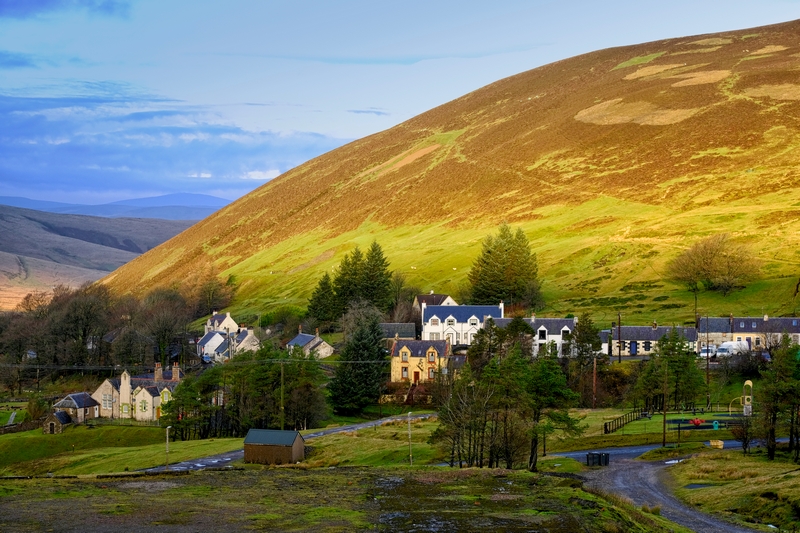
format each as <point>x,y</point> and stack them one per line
<point>431,356</point>
<point>473,321</point>
<point>754,324</point>
<point>741,324</point>
<point>434,321</point>
<point>542,334</point>
<point>404,356</point>
<point>451,321</point>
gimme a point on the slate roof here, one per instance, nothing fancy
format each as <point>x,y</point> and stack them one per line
<point>63,417</point>
<point>554,326</point>
<point>207,337</point>
<point>271,437</point>
<point>432,299</point>
<point>648,333</point>
<point>300,340</point>
<point>78,400</point>
<point>241,336</point>
<point>420,348</point>
<point>714,325</point>
<point>218,318</point>
<point>402,330</point>
<point>223,347</point>
<point>462,313</point>
<point>749,324</point>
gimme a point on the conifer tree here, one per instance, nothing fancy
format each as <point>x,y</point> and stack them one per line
<point>347,281</point>
<point>376,280</point>
<point>361,370</point>
<point>323,304</point>
<point>505,271</point>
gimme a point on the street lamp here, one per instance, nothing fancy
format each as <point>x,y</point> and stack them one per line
<point>166,465</point>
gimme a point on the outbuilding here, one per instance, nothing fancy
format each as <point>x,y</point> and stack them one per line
<point>273,447</point>
<point>55,422</point>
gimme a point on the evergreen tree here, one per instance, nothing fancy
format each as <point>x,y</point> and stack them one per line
<point>323,305</point>
<point>505,271</point>
<point>376,280</point>
<point>778,391</point>
<point>361,370</point>
<point>347,283</point>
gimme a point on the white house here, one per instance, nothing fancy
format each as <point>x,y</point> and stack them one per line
<point>547,330</point>
<point>456,324</point>
<point>220,322</point>
<point>310,343</point>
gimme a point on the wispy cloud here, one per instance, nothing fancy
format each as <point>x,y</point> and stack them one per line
<point>77,143</point>
<point>9,60</point>
<point>22,9</point>
<point>369,111</point>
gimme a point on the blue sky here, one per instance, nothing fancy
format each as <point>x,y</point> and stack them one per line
<point>103,100</point>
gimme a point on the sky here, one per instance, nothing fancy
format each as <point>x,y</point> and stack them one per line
<point>106,100</point>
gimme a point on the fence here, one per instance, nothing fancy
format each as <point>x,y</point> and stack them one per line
<point>611,427</point>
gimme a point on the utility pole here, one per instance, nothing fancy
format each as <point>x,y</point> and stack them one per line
<point>410,453</point>
<point>594,381</point>
<point>664,429</point>
<point>282,411</point>
<point>708,382</point>
<point>619,336</point>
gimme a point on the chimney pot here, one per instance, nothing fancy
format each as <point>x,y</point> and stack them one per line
<point>431,291</point>
<point>158,373</point>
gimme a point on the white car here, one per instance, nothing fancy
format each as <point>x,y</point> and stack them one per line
<point>706,352</point>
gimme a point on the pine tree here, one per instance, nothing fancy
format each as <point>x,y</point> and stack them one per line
<point>347,281</point>
<point>323,304</point>
<point>361,370</point>
<point>505,271</point>
<point>376,280</point>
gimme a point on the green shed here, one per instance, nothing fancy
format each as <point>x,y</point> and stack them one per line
<point>273,447</point>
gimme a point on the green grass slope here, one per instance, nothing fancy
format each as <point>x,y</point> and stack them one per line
<point>612,162</point>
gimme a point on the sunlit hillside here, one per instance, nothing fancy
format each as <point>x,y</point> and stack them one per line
<point>612,162</point>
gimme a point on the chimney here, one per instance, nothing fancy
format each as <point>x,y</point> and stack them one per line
<point>502,309</point>
<point>300,329</point>
<point>431,292</point>
<point>158,373</point>
<point>176,372</point>
<point>316,333</point>
<point>533,318</point>
<point>655,325</point>
<point>766,318</point>
<point>732,322</point>
<point>228,314</point>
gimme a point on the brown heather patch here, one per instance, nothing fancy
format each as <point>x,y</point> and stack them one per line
<point>616,112</point>
<point>651,70</point>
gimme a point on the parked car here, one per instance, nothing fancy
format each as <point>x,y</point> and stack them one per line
<point>708,351</point>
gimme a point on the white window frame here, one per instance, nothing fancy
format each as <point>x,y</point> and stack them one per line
<point>404,372</point>
<point>473,321</point>
<point>434,321</point>
<point>404,356</point>
<point>430,373</point>
<point>451,321</point>
<point>431,357</point>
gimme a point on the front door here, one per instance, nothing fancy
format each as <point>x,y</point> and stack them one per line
<point>634,347</point>
<point>52,428</point>
<point>416,377</point>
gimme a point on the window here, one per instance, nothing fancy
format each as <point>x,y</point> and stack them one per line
<point>794,322</point>
<point>107,401</point>
<point>648,346</point>
<point>125,408</point>
<point>434,321</point>
<point>165,396</point>
<point>542,334</point>
<point>435,336</point>
<point>404,356</point>
<point>738,339</point>
<point>431,357</point>
<point>405,372</point>
<point>458,338</point>
<point>754,324</point>
<point>473,321</point>
<point>624,345</point>
<point>758,341</point>
<point>451,321</point>
<point>796,339</point>
<point>741,324</point>
<point>143,406</point>
<point>430,373</point>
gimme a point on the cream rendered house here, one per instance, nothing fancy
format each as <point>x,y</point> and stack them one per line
<point>138,397</point>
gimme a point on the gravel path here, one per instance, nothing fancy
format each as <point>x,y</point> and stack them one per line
<point>647,483</point>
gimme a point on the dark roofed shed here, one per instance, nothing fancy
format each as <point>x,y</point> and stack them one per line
<point>273,447</point>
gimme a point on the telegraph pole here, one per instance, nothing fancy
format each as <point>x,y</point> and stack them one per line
<point>619,336</point>
<point>708,382</point>
<point>594,381</point>
<point>282,411</point>
<point>664,429</point>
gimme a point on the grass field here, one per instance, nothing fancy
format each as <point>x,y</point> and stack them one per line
<point>750,486</point>
<point>335,499</point>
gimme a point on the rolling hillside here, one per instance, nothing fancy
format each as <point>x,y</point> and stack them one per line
<point>39,250</point>
<point>612,162</point>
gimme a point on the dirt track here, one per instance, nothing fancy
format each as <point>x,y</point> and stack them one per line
<point>646,483</point>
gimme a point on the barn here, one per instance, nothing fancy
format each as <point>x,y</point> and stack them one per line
<point>273,447</point>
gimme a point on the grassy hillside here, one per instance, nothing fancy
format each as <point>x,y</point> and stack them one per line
<point>612,162</point>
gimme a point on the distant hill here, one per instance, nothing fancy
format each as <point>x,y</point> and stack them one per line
<point>612,162</point>
<point>166,207</point>
<point>39,249</point>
